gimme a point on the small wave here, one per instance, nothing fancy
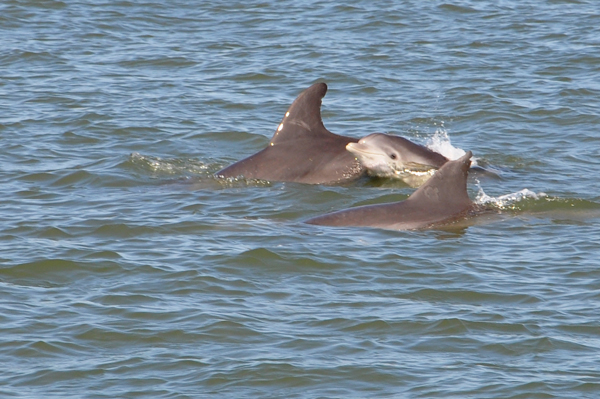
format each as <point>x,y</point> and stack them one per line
<point>528,203</point>
<point>169,167</point>
<point>193,171</point>
<point>440,142</point>
<point>507,201</point>
<point>227,182</point>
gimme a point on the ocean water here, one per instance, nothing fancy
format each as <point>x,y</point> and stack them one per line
<point>128,270</point>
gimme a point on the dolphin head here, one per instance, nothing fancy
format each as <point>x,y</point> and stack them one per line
<point>376,154</point>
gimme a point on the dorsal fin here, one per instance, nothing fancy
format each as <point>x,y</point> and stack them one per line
<point>447,188</point>
<point>303,117</point>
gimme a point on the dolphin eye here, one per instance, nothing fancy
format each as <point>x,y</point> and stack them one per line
<point>393,156</point>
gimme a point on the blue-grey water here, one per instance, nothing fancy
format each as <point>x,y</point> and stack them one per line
<point>127,270</point>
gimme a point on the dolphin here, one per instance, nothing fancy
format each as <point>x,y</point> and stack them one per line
<point>302,150</point>
<point>443,199</point>
<point>385,155</point>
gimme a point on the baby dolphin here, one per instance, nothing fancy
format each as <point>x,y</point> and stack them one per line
<point>385,155</point>
<point>302,150</point>
<point>441,200</point>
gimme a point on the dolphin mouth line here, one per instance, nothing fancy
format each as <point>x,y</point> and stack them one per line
<point>352,148</point>
<point>407,171</point>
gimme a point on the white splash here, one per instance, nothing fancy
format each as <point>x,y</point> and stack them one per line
<point>507,200</point>
<point>440,143</point>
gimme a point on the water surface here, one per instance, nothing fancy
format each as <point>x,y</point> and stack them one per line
<point>127,270</point>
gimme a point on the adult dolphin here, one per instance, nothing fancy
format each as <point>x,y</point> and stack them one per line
<point>441,200</point>
<point>385,155</point>
<point>302,150</point>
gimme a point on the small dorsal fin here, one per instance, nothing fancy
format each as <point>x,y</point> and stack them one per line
<point>303,117</point>
<point>447,188</point>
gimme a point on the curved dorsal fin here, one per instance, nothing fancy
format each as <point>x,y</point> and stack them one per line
<point>447,188</point>
<point>303,117</point>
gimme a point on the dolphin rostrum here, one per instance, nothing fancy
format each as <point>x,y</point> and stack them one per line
<point>302,149</point>
<point>443,199</point>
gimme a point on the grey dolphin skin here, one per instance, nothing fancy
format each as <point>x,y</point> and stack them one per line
<point>441,200</point>
<point>385,155</point>
<point>302,150</point>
